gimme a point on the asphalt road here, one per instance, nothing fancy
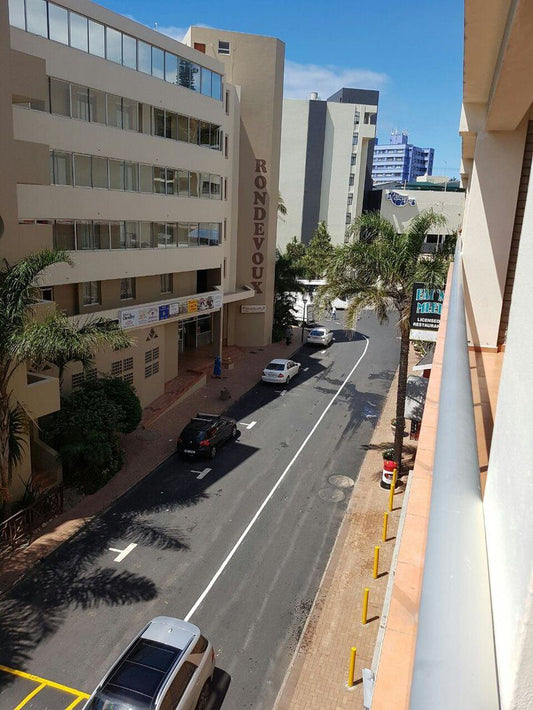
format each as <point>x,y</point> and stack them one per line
<point>239,549</point>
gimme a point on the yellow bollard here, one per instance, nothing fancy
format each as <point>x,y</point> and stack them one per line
<point>376,561</point>
<point>365,605</point>
<point>392,487</point>
<point>351,676</point>
<point>385,523</point>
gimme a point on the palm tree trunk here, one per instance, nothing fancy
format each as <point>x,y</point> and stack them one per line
<point>4,445</point>
<point>401,395</point>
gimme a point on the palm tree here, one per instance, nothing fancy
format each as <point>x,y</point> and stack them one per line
<point>286,275</point>
<point>54,340</point>
<point>377,268</point>
<point>282,208</point>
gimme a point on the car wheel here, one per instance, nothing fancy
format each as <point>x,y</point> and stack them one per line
<point>204,696</point>
<point>213,452</point>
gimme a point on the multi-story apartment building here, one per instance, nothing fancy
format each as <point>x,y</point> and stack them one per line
<point>400,160</point>
<point>461,614</point>
<point>326,159</point>
<point>141,157</point>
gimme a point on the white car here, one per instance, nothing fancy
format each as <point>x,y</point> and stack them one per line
<point>281,371</point>
<point>320,336</point>
<point>168,666</point>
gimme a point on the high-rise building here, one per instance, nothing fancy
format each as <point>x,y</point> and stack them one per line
<point>326,159</point>
<point>141,157</point>
<point>400,161</point>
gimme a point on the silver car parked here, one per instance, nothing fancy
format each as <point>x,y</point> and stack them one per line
<point>168,666</point>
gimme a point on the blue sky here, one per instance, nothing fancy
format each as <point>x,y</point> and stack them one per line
<point>411,51</point>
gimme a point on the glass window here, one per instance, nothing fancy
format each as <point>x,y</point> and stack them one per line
<point>159,180</point>
<point>172,182</point>
<point>84,235</point>
<point>64,235</point>
<point>166,283</point>
<point>78,32</point>
<point>158,63</point>
<point>16,14</point>
<point>216,134</point>
<point>195,77</point>
<point>117,235</point>
<point>172,234</point>
<point>116,174</point>
<point>82,170</point>
<point>171,68</point>
<point>99,171</point>
<point>62,168</point>
<point>203,234</point>
<point>205,134</point>
<point>127,289</point>
<point>183,128</point>
<point>216,193</point>
<point>130,233</point>
<point>183,234</point>
<point>159,122</point>
<point>205,185</point>
<point>223,47</point>
<point>57,23</point>
<point>113,45</point>
<point>36,17</point>
<point>96,39</point>
<point>183,183</point>
<point>193,131</point>
<point>80,102</point>
<point>130,114</point>
<point>146,178</point>
<point>194,183</point>
<point>206,82</point>
<point>193,234</point>
<point>129,51</point>
<point>97,110</point>
<point>131,177</point>
<point>91,293</point>
<point>145,231</point>
<point>159,234</point>
<point>171,125</point>
<point>184,73</point>
<point>101,235</point>
<point>59,97</point>
<point>114,111</point>
<point>216,86</point>
<point>184,675</point>
<point>144,57</point>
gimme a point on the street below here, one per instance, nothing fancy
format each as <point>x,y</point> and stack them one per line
<point>237,545</point>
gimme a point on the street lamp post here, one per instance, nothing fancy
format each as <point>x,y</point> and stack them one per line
<point>304,319</point>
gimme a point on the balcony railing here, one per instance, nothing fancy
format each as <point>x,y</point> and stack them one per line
<point>455,663</point>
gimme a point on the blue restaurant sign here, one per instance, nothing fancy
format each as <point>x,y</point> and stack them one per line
<point>426,307</point>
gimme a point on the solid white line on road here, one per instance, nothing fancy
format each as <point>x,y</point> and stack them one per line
<point>323,351</point>
<point>123,553</point>
<point>305,369</point>
<point>202,473</point>
<point>248,426</point>
<point>272,491</point>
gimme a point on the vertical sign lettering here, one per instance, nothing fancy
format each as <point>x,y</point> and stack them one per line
<point>259,221</point>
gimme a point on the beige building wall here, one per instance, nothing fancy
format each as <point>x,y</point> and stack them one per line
<point>449,204</point>
<point>254,64</point>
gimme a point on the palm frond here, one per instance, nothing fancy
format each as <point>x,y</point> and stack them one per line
<point>18,429</point>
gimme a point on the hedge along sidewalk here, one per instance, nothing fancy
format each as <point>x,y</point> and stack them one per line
<point>144,450</point>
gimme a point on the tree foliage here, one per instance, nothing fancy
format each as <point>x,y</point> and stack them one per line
<point>318,253</point>
<point>286,275</point>
<point>377,268</point>
<point>123,396</point>
<point>55,340</point>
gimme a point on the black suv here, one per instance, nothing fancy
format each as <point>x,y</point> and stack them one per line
<point>204,434</point>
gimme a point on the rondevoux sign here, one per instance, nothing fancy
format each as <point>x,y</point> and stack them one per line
<point>156,312</point>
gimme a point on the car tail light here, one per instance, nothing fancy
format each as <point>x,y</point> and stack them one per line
<point>212,654</point>
<point>281,375</point>
<point>204,442</point>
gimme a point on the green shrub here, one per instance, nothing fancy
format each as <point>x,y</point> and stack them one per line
<point>123,395</point>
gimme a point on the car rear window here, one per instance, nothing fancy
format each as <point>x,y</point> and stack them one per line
<point>318,333</point>
<point>275,366</point>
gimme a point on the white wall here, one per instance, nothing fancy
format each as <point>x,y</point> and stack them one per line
<point>449,204</point>
<point>509,492</point>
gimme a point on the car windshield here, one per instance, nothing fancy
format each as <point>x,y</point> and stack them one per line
<point>275,366</point>
<point>318,333</point>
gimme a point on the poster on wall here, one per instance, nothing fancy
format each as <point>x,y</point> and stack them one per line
<point>144,315</point>
<point>426,307</point>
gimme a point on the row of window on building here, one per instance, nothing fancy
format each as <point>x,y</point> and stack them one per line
<point>82,235</point>
<point>56,23</point>
<point>93,171</point>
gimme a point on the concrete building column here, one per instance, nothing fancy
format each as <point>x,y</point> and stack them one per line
<point>488,229</point>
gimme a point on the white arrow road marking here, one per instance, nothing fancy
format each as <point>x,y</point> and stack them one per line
<point>323,351</point>
<point>305,369</point>
<point>248,426</point>
<point>202,473</point>
<point>123,553</point>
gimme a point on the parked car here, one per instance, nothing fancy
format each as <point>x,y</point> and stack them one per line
<point>320,336</point>
<point>280,371</point>
<point>168,666</point>
<point>204,434</point>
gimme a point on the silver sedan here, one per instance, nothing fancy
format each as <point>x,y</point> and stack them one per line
<point>281,371</point>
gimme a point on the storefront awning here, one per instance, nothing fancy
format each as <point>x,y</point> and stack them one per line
<point>416,397</point>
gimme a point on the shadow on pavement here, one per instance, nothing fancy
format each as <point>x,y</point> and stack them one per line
<point>219,688</point>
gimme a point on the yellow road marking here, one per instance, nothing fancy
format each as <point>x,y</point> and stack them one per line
<point>31,695</point>
<point>75,702</point>
<point>42,681</point>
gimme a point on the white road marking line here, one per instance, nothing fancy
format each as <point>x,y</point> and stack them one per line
<point>272,491</point>
<point>248,426</point>
<point>323,351</point>
<point>202,473</point>
<point>123,553</point>
<point>283,393</point>
<point>305,369</point>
